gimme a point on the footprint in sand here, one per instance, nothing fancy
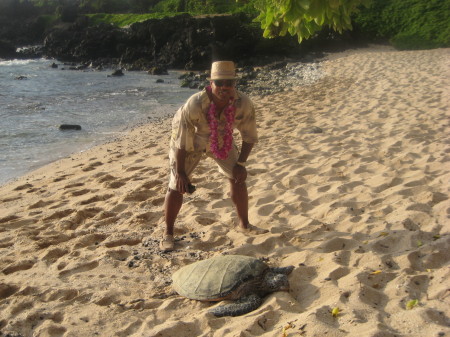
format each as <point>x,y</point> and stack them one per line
<point>338,273</point>
<point>151,184</point>
<point>92,166</point>
<point>206,219</point>
<point>9,218</point>
<point>7,242</point>
<point>7,290</point>
<point>95,199</point>
<point>373,297</point>
<point>10,199</point>
<point>125,241</point>
<point>46,241</point>
<point>89,240</point>
<point>59,215</point>
<point>118,254</point>
<point>376,280</point>
<point>18,266</point>
<point>337,244</point>
<point>70,186</point>
<point>103,177</point>
<point>79,192</point>
<point>115,184</point>
<point>61,178</point>
<point>158,201</point>
<point>148,217</point>
<point>79,268</point>
<point>139,195</point>
<point>60,295</point>
<point>23,187</point>
<point>135,168</point>
<point>20,306</point>
<point>52,255</point>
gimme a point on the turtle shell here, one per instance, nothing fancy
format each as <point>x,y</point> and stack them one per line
<point>216,278</point>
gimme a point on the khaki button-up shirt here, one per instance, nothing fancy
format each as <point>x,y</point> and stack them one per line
<point>190,127</point>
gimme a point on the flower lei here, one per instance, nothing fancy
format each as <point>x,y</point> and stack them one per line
<point>221,152</point>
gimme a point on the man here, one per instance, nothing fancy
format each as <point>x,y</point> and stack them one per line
<point>204,125</point>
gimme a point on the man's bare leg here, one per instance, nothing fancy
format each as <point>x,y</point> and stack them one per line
<point>239,196</point>
<point>172,206</point>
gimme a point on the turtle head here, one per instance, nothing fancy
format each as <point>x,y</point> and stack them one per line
<point>275,282</point>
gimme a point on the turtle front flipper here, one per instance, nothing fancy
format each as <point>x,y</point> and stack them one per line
<point>240,307</point>
<point>282,270</point>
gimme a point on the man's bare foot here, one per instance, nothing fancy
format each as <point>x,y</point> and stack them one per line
<point>167,243</point>
<point>250,229</point>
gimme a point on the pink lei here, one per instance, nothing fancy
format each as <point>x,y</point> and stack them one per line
<point>221,152</point>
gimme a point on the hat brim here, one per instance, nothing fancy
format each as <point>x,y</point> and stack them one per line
<point>223,78</point>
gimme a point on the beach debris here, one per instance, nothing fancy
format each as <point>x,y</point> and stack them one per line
<point>117,73</point>
<point>411,304</point>
<point>376,272</point>
<point>70,127</point>
<point>316,129</point>
<point>285,329</point>
<point>230,277</point>
<point>335,312</point>
<point>158,70</point>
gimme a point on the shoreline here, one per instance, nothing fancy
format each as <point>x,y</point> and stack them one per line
<point>103,107</point>
<point>260,81</point>
<point>360,209</point>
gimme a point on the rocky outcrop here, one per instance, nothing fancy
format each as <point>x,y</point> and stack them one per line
<point>181,42</point>
<point>7,50</point>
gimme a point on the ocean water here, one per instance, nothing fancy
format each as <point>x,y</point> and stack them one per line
<point>33,108</point>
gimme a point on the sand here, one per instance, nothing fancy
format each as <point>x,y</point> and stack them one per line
<point>360,209</point>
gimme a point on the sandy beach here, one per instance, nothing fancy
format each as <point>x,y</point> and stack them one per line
<point>350,176</point>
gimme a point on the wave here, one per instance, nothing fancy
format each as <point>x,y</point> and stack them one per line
<point>16,62</point>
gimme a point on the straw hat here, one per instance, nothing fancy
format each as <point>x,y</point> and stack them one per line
<point>223,70</point>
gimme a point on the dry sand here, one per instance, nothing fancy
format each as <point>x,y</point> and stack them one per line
<point>361,210</point>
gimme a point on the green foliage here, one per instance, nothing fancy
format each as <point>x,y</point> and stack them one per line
<point>199,7</point>
<point>169,6</point>
<point>408,24</point>
<point>122,20</point>
<point>304,18</point>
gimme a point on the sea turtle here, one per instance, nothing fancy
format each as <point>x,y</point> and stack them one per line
<point>230,277</point>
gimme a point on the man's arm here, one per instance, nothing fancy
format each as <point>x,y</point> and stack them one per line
<point>246,148</point>
<point>180,174</point>
<point>239,170</point>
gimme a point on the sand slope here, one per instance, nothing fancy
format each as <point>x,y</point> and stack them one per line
<point>361,210</point>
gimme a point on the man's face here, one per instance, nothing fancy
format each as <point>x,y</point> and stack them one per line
<point>223,89</point>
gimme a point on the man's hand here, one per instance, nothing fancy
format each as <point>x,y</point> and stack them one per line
<point>182,182</point>
<point>239,174</point>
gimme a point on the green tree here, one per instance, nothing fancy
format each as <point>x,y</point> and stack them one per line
<point>305,17</point>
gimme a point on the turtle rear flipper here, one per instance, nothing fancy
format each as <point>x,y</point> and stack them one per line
<point>240,307</point>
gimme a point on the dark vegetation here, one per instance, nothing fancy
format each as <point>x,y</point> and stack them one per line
<point>407,24</point>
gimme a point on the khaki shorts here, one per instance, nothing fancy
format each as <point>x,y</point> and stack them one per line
<point>193,158</point>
